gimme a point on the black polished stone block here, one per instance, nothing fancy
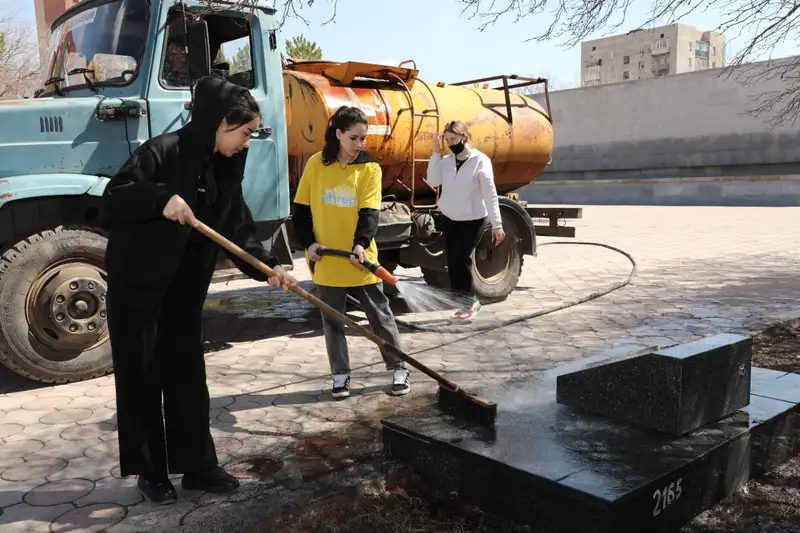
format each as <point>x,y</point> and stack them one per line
<point>675,390</point>
<point>561,470</point>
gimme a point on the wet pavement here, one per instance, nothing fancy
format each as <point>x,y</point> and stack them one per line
<point>700,271</point>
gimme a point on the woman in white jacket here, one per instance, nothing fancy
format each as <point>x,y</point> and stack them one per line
<point>468,196</point>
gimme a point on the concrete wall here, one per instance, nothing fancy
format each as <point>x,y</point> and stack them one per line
<point>759,191</point>
<point>648,133</point>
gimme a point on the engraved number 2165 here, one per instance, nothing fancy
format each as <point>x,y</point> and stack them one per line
<point>667,496</point>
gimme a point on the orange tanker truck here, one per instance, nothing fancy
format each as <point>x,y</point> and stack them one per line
<point>405,112</point>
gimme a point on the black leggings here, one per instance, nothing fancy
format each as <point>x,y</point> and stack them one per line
<point>461,238</point>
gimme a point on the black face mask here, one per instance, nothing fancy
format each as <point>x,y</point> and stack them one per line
<point>457,148</point>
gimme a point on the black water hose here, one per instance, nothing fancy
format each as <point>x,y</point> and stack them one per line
<point>461,326</point>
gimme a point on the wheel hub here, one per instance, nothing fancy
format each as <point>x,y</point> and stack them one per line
<point>79,305</point>
<point>67,306</point>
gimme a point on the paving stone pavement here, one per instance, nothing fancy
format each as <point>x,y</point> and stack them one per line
<point>700,271</point>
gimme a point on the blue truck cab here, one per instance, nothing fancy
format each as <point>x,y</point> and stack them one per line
<point>117,74</point>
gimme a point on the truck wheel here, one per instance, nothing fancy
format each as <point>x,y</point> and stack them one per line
<point>496,269</point>
<point>52,307</point>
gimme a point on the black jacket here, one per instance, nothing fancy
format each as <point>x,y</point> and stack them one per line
<point>145,248</point>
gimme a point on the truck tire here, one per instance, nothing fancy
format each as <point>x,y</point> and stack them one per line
<point>495,270</point>
<point>52,307</point>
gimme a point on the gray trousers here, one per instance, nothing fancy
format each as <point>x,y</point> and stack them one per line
<point>380,316</point>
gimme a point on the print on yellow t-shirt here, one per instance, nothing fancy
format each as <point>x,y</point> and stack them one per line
<point>343,195</point>
<point>335,196</point>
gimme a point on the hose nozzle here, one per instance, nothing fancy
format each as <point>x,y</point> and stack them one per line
<point>381,272</point>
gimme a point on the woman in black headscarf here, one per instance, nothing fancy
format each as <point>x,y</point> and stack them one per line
<point>159,271</point>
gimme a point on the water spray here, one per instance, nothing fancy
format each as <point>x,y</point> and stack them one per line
<point>471,328</point>
<point>418,299</point>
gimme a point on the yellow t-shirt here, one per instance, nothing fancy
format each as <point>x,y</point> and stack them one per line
<point>335,196</point>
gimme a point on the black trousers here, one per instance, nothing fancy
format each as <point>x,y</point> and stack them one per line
<point>157,349</point>
<point>461,238</point>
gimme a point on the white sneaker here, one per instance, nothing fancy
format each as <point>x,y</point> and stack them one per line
<point>400,382</point>
<point>341,386</point>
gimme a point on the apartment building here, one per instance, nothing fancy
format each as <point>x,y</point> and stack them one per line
<point>650,52</point>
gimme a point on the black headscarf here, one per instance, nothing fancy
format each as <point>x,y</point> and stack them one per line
<point>213,99</point>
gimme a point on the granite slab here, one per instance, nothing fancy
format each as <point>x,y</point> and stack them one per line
<point>675,390</point>
<point>561,470</point>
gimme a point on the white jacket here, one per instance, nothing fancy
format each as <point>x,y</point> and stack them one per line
<point>469,194</point>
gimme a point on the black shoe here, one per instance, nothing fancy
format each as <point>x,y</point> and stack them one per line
<point>215,480</point>
<point>160,492</point>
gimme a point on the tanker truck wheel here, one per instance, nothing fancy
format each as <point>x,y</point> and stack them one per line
<point>495,269</point>
<point>52,307</point>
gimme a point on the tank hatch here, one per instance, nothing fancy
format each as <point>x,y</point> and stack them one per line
<point>345,73</point>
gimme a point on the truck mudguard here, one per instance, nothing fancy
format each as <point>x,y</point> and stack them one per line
<point>14,188</point>
<point>527,232</point>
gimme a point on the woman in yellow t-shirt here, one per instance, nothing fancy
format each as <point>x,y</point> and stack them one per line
<point>336,206</point>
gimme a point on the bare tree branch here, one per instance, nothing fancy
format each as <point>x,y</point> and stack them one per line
<point>289,9</point>
<point>763,24</point>
<point>553,84</point>
<point>19,61</point>
<point>781,106</point>
<point>333,15</point>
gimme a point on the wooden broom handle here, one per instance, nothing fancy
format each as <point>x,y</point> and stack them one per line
<point>316,302</point>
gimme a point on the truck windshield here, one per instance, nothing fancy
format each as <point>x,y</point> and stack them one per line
<point>102,43</point>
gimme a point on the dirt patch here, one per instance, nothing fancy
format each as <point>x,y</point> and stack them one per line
<point>392,503</point>
<point>399,501</point>
<point>778,349</point>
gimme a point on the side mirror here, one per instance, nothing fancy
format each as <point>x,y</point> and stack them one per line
<point>199,49</point>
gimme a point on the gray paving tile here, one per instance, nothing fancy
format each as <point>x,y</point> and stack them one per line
<point>24,518</point>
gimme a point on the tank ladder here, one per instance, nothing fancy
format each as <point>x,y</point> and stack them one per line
<point>427,113</point>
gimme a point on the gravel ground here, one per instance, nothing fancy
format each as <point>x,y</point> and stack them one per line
<point>394,500</point>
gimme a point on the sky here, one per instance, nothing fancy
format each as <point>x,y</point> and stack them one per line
<point>446,44</point>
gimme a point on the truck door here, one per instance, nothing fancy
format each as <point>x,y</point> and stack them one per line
<point>244,54</point>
